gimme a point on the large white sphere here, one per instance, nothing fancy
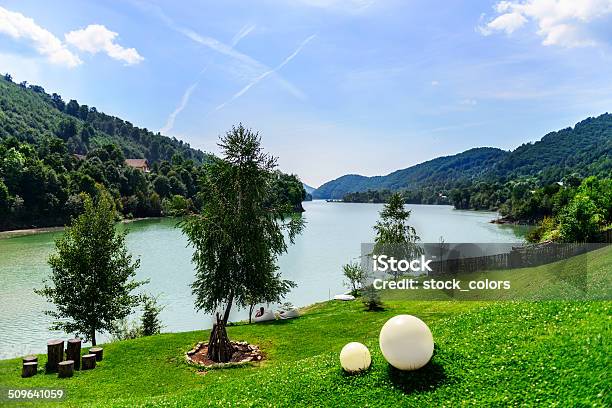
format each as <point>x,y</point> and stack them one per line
<point>355,357</point>
<point>406,342</point>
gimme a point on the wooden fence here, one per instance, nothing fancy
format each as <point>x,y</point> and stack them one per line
<point>518,257</point>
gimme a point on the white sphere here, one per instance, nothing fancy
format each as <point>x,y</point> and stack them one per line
<point>406,342</point>
<point>355,357</point>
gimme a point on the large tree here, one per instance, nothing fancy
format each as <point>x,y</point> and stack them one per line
<point>238,234</point>
<point>91,272</point>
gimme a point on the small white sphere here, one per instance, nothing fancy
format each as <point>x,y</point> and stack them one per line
<point>406,342</point>
<point>355,357</point>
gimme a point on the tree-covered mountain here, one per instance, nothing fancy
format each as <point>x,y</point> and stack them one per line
<point>30,114</point>
<point>51,152</point>
<point>308,188</point>
<point>585,149</point>
<point>442,171</point>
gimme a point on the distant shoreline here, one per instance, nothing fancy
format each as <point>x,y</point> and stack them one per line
<point>42,230</point>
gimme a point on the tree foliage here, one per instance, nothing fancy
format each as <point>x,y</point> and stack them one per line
<point>579,213</point>
<point>355,276</point>
<point>150,322</point>
<point>92,273</point>
<point>394,236</point>
<point>238,234</point>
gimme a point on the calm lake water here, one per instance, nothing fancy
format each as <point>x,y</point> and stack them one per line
<point>332,237</point>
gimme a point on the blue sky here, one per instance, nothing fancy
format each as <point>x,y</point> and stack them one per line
<point>333,86</point>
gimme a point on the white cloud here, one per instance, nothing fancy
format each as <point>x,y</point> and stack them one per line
<point>96,38</point>
<point>468,102</point>
<point>508,22</point>
<point>18,26</point>
<point>435,83</point>
<point>565,23</point>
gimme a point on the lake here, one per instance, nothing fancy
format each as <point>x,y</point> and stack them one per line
<point>332,237</point>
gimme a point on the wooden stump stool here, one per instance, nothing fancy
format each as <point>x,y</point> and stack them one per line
<point>98,351</point>
<point>55,354</point>
<point>73,352</point>
<point>65,369</point>
<point>88,362</point>
<point>29,369</point>
<point>30,359</point>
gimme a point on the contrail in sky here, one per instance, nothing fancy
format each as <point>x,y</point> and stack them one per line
<point>266,74</point>
<point>244,31</point>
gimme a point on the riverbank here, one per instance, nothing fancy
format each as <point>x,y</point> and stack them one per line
<point>498,353</point>
<point>42,230</point>
<point>511,221</point>
<point>28,231</point>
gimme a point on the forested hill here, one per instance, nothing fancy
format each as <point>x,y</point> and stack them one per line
<point>51,152</point>
<point>31,115</point>
<point>442,171</point>
<point>585,149</point>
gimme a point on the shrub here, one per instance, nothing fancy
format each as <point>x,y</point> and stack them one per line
<point>176,206</point>
<point>580,220</point>
<point>150,321</point>
<point>371,299</point>
<point>355,276</point>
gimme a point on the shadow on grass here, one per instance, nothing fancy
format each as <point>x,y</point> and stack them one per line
<point>427,378</point>
<point>424,379</point>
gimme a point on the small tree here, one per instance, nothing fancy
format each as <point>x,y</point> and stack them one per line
<point>91,273</point>
<point>580,220</point>
<point>371,299</point>
<point>150,322</point>
<point>355,276</point>
<point>394,236</point>
<point>238,235</point>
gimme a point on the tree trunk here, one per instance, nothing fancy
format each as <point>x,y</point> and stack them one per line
<point>55,354</point>
<point>73,352</point>
<point>88,361</point>
<point>93,337</point>
<point>228,308</point>
<point>29,369</point>
<point>251,312</point>
<point>66,369</point>
<point>220,348</point>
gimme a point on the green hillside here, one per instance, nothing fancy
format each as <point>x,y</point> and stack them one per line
<point>504,353</point>
<point>463,167</point>
<point>585,149</point>
<point>30,114</point>
<point>52,151</point>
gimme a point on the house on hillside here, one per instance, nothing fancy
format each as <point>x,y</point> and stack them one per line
<point>140,164</point>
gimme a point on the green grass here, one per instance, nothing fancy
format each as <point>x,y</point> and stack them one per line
<point>551,353</point>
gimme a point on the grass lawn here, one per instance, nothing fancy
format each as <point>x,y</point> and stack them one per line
<point>551,353</point>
